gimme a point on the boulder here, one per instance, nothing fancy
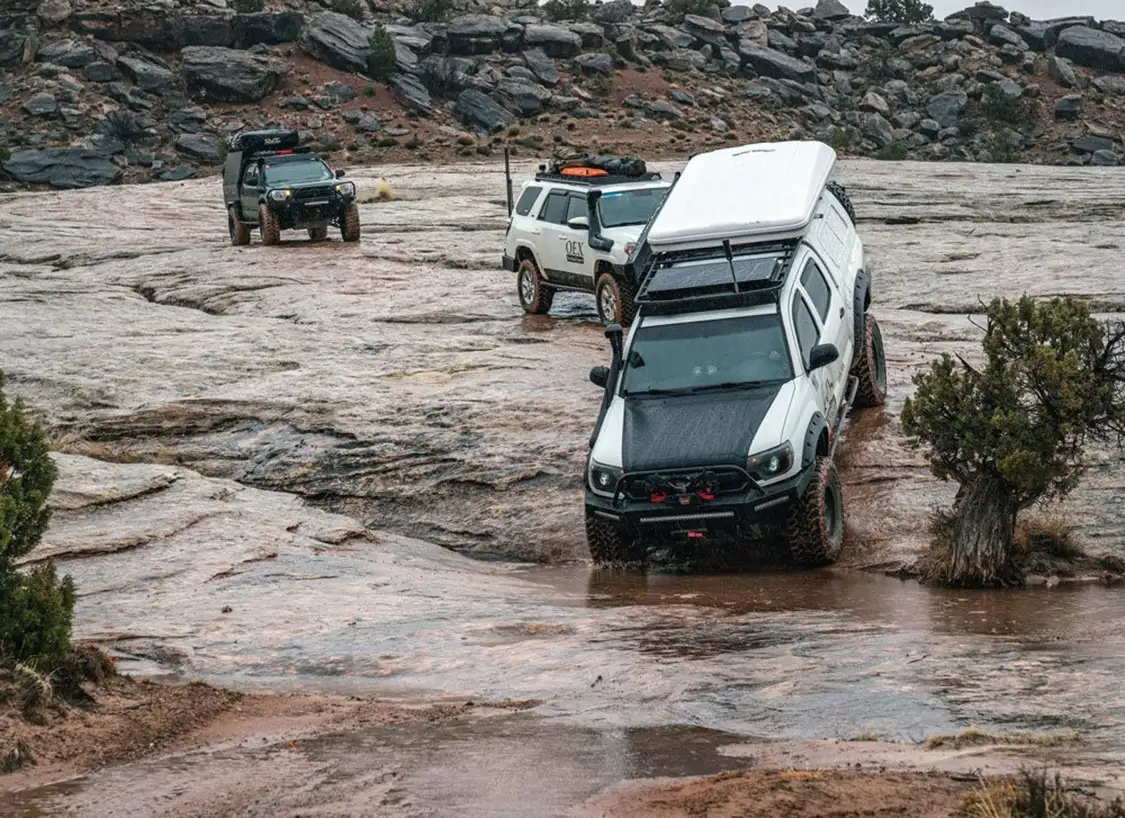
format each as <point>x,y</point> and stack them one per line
<point>1105,158</point>
<point>615,11</point>
<point>1092,144</point>
<point>12,45</point>
<point>527,98</point>
<point>62,167</point>
<point>412,94</point>
<point>771,63</point>
<point>672,38</point>
<point>148,75</point>
<point>831,10</point>
<point>53,12</point>
<point>101,72</point>
<point>204,146</point>
<point>41,105</point>
<point>594,63</point>
<point>176,174</point>
<point>227,75</point>
<point>876,128</point>
<point>67,53</point>
<point>946,108</point>
<point>1002,35</point>
<point>208,30</point>
<point>479,111</point>
<point>337,40</point>
<point>875,103</point>
<point>267,28</point>
<point>1069,107</point>
<point>475,34</point>
<point>541,66</point>
<point>1053,28</point>
<point>447,73</point>
<point>1110,84</point>
<point>150,26</point>
<point>705,30</point>
<point>1092,48</point>
<point>591,34</point>
<point>1061,71</point>
<point>555,41</point>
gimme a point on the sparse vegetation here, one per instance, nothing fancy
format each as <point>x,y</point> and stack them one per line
<point>431,11</point>
<point>5,154</point>
<point>1034,795</point>
<point>839,140</point>
<point>124,125</point>
<point>369,90</point>
<point>382,62</point>
<point>894,152</point>
<point>350,8</point>
<point>558,10</point>
<point>973,737</point>
<point>999,107</point>
<point>1013,432</point>
<point>907,12</point>
<point>1003,149</point>
<point>249,6</point>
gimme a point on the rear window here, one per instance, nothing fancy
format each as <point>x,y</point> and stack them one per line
<point>527,200</point>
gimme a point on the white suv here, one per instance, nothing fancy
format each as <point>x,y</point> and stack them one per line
<point>723,404</point>
<point>575,228</point>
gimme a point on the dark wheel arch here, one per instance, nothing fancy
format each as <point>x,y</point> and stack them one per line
<point>816,439</point>
<point>861,300</point>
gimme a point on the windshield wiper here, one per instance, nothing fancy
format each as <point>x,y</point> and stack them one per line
<point>652,392</point>
<point>716,387</point>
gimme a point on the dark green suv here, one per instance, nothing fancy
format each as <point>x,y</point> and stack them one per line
<point>272,183</point>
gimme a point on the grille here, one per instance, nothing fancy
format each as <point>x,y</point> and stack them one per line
<point>721,482</point>
<point>312,193</point>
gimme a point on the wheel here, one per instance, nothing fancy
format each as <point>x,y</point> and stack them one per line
<point>349,223</point>
<point>268,222</point>
<point>239,231</point>
<point>814,526</point>
<point>535,296</point>
<point>608,545</point>
<point>871,367</point>
<point>318,233</point>
<point>615,300</point>
<point>837,190</point>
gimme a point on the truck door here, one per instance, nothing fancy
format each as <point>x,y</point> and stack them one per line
<point>566,252</point>
<point>828,304</point>
<point>248,193</point>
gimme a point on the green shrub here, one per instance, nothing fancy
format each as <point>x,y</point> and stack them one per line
<point>350,8</point>
<point>907,12</point>
<point>997,106</point>
<point>381,62</point>
<point>894,152</point>
<point>5,154</point>
<point>249,6</point>
<point>1003,149</point>
<point>431,11</point>
<point>839,139</point>
<point>35,607</point>
<point>559,10</point>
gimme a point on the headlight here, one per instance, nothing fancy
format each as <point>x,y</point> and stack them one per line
<point>346,188</point>
<point>604,479</point>
<point>280,195</point>
<point>630,247</point>
<point>771,464</point>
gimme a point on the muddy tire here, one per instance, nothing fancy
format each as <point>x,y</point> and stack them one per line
<point>318,233</point>
<point>870,368</point>
<point>814,526</point>
<point>615,300</point>
<point>536,296</point>
<point>837,190</point>
<point>608,546</point>
<point>269,224</point>
<point>239,230</point>
<point>349,223</point>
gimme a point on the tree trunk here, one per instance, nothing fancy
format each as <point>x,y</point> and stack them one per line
<point>977,550</point>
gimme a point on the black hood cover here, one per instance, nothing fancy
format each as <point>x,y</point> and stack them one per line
<point>690,431</point>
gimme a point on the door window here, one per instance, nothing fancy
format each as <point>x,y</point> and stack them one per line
<point>251,177</point>
<point>804,324</point>
<point>554,210</point>
<point>576,208</point>
<point>812,279</point>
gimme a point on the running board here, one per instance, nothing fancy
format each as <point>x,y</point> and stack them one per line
<point>853,388</point>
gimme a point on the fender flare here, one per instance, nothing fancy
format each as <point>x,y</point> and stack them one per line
<point>860,300</point>
<point>817,426</point>
<point>521,248</point>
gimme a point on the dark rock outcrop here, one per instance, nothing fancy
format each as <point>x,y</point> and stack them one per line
<point>62,167</point>
<point>1092,48</point>
<point>228,75</point>
<point>337,40</point>
<point>480,112</point>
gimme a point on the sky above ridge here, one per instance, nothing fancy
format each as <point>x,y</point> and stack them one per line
<point>1036,9</point>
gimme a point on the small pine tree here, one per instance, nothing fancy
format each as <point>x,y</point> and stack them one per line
<point>907,12</point>
<point>382,62</point>
<point>35,607</point>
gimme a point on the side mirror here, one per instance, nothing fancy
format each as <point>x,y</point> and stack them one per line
<point>822,355</point>
<point>340,174</point>
<point>599,376</point>
<point>579,223</point>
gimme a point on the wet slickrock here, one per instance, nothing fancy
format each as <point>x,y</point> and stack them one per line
<point>397,381</point>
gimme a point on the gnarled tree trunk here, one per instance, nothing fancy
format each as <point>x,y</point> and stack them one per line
<point>975,549</point>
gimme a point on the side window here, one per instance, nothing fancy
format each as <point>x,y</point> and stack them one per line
<point>250,179</point>
<point>554,211</point>
<point>527,200</point>
<point>808,334</point>
<point>812,279</point>
<point>576,208</point>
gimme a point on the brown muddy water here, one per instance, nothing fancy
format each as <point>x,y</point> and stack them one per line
<point>263,452</point>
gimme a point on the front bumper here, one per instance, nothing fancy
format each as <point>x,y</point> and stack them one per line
<point>296,214</point>
<point>750,512</point>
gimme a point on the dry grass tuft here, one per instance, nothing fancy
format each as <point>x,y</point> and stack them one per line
<point>380,191</point>
<point>1034,795</point>
<point>35,691</point>
<point>972,737</point>
<point>1048,530</point>
<point>16,757</point>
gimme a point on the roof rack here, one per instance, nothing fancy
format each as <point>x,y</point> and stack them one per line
<point>594,181</point>
<point>723,277</point>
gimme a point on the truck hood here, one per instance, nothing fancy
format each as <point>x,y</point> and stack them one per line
<point>623,235</point>
<point>688,431</point>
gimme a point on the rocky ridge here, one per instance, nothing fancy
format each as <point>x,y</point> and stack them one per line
<point>95,95</point>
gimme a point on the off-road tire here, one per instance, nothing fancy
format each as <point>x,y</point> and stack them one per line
<point>612,291</point>
<point>239,230</point>
<point>536,297</point>
<point>814,526</point>
<point>608,546</point>
<point>318,233</point>
<point>841,194</point>
<point>870,367</point>
<point>270,226</point>
<point>349,223</point>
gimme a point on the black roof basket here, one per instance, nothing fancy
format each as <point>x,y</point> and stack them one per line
<point>611,170</point>
<point>264,141</point>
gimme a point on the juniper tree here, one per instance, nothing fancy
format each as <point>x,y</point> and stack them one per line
<point>907,12</point>
<point>1013,432</point>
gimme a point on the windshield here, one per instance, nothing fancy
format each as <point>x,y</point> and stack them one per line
<point>295,173</point>
<point>629,207</point>
<point>704,355</point>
